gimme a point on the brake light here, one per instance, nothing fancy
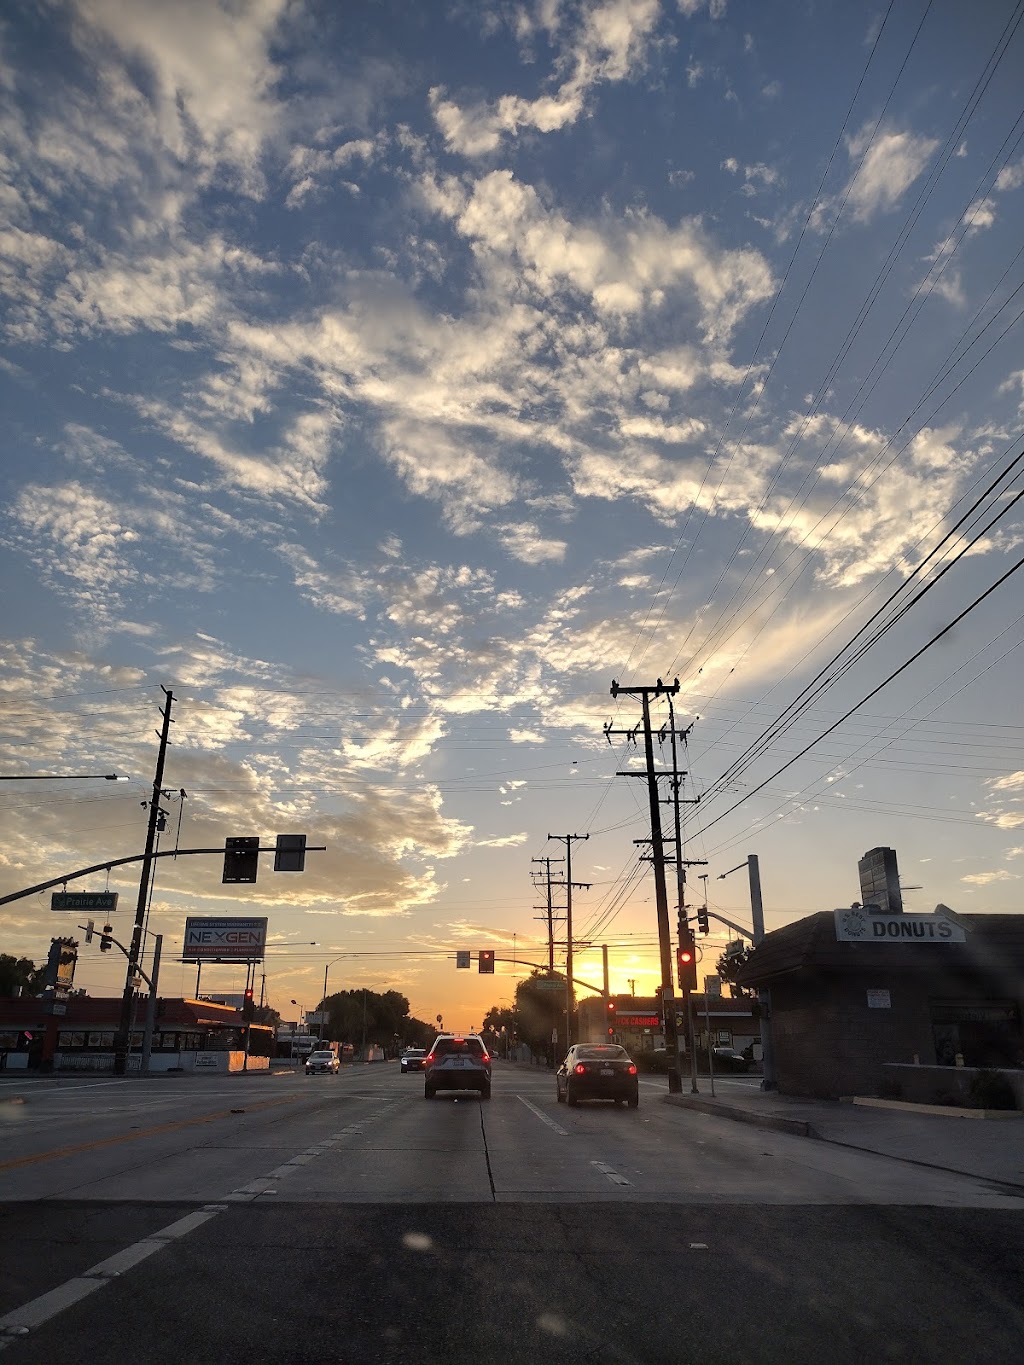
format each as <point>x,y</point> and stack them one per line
<point>580,1069</point>
<point>632,1069</point>
<point>428,1060</point>
<point>485,1057</point>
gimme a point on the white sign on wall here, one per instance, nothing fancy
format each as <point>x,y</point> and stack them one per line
<point>860,925</point>
<point>879,1000</point>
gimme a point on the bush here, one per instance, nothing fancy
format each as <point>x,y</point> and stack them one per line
<point>990,1090</point>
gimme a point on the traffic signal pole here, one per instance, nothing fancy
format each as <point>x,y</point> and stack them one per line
<point>123,1036</point>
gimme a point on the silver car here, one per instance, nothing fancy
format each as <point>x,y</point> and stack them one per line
<point>322,1062</point>
<point>457,1061</point>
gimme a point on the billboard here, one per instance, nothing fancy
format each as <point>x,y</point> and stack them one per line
<point>224,940</point>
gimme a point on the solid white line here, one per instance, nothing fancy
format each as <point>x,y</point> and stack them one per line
<point>555,1127</point>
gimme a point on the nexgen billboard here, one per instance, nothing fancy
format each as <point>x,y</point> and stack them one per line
<point>224,940</point>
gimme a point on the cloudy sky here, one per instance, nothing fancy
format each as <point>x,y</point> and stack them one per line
<point>386,378</point>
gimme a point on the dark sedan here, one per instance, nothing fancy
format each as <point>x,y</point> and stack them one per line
<point>597,1071</point>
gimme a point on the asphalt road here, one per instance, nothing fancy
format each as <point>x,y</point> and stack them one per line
<point>346,1219</point>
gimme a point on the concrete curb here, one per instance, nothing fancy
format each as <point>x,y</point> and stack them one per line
<point>941,1110</point>
<point>776,1122</point>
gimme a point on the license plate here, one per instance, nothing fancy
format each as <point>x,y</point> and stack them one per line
<point>607,1071</point>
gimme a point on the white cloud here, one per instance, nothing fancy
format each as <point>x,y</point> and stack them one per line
<point>609,46</point>
<point>890,162</point>
<point>987,878</point>
<point>1011,177</point>
<point>211,79</point>
<point>504,841</point>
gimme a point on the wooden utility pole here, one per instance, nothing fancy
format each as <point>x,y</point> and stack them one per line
<point>568,840</point>
<point>659,689</point>
<point>550,919</point>
<point>122,1038</point>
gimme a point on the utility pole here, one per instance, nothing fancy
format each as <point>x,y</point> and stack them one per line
<point>154,977</point>
<point>122,1038</point>
<point>659,689</point>
<point>568,840</point>
<point>550,912</point>
<point>681,866</point>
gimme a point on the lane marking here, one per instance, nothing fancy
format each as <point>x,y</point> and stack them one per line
<point>555,1127</point>
<point>611,1173</point>
<point>57,1152</point>
<point>21,1321</point>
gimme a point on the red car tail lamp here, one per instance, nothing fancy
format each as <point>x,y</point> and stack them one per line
<point>632,1068</point>
<point>486,1058</point>
<point>428,1060</point>
<point>580,1069</point>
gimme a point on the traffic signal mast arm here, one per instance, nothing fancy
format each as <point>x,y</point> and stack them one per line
<point>117,944</point>
<point>135,858</point>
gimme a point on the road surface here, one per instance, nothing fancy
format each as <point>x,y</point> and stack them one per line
<point>347,1219</point>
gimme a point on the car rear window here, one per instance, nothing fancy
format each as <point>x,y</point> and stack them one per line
<point>446,1046</point>
<point>605,1050</point>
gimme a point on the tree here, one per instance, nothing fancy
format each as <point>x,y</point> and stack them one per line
<point>381,1019</point>
<point>20,971</point>
<point>540,1011</point>
<point>728,968</point>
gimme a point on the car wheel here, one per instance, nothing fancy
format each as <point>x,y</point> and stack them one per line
<point>559,1097</point>
<point>570,1097</point>
<point>634,1101</point>
<point>428,1092</point>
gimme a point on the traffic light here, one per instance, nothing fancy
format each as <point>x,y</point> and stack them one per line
<point>90,929</point>
<point>611,1018</point>
<point>681,922</point>
<point>485,960</point>
<point>703,923</point>
<point>241,859</point>
<point>105,941</point>
<point>686,962</point>
<point>248,1006</point>
<point>462,958</point>
<point>289,853</point>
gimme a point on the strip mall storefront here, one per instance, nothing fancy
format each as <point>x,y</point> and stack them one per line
<point>77,1034</point>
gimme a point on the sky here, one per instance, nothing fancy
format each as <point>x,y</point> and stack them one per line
<point>386,379</point>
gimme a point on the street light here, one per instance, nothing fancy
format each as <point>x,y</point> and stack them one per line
<point>768,1081</point>
<point>327,968</point>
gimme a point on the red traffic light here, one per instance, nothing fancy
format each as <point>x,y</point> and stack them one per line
<point>611,1006</point>
<point>611,1033</point>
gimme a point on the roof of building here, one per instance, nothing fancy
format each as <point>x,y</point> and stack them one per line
<point>994,948</point>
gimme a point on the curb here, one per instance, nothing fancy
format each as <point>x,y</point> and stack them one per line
<point>776,1122</point>
<point>940,1110</point>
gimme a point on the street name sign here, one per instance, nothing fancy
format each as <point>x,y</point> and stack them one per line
<point>224,940</point>
<point>84,900</point>
<point>861,925</point>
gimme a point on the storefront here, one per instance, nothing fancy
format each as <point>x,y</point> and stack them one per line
<point>855,993</point>
<point>77,1034</point>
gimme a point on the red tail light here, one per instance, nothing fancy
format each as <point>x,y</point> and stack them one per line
<point>485,1057</point>
<point>428,1060</point>
<point>580,1069</point>
<point>632,1069</point>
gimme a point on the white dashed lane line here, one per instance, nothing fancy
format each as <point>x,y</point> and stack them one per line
<point>21,1321</point>
<point>611,1173</point>
<point>555,1127</point>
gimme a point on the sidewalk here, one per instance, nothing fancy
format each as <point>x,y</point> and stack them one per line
<point>988,1149</point>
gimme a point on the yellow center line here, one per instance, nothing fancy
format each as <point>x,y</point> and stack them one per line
<point>141,1133</point>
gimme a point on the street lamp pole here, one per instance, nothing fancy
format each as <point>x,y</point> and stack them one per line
<point>768,1080</point>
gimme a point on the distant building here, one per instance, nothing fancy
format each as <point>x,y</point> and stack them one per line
<point>636,1022</point>
<point>77,1034</point>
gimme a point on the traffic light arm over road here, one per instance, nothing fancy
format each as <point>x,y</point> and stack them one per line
<point>109,938</point>
<point>134,858</point>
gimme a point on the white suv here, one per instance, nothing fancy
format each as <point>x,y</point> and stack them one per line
<point>457,1061</point>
